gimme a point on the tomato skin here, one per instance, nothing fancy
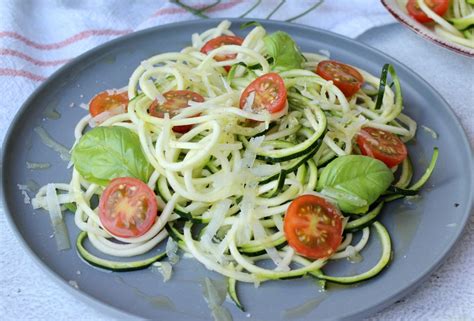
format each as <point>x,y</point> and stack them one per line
<point>381,145</point>
<point>106,101</point>
<point>270,93</point>
<point>219,42</point>
<point>127,207</point>
<point>313,226</point>
<point>175,100</point>
<point>344,77</point>
<point>440,7</point>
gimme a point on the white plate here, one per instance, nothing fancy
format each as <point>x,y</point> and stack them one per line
<point>401,15</point>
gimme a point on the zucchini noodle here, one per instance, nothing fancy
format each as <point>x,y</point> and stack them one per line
<point>224,186</point>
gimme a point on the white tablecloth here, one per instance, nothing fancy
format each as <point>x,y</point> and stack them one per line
<point>33,44</point>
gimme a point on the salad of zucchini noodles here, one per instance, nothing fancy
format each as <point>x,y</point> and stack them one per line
<point>237,151</point>
<point>452,20</point>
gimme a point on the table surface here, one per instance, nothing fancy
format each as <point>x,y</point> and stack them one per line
<point>27,293</point>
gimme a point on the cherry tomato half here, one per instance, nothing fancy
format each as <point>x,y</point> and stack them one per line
<point>107,101</point>
<point>270,94</point>
<point>175,100</point>
<point>381,145</point>
<point>344,77</point>
<point>438,6</point>
<point>127,207</point>
<point>313,226</point>
<point>219,42</point>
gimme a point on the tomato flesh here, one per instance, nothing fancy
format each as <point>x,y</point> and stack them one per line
<point>127,207</point>
<point>440,7</point>
<point>344,77</point>
<point>313,226</point>
<point>175,101</point>
<point>219,42</point>
<point>270,94</point>
<point>108,100</point>
<point>381,145</point>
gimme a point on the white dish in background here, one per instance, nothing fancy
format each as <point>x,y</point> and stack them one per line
<point>400,13</point>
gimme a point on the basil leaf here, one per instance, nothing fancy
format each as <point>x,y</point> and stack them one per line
<point>348,198</point>
<point>355,182</point>
<point>283,50</point>
<point>105,153</point>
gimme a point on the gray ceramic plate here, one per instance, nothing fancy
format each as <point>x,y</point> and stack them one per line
<point>423,232</point>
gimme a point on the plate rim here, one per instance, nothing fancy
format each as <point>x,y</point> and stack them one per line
<point>115,311</point>
<point>409,22</point>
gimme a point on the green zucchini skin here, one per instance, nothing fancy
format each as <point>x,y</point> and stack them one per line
<point>301,149</point>
<point>421,181</point>
<point>401,191</point>
<point>176,236</point>
<point>427,174</point>
<point>114,266</point>
<point>297,162</point>
<point>314,145</point>
<point>383,262</point>
<point>382,84</point>
<point>406,174</point>
<point>292,277</point>
<point>293,166</point>
<point>364,221</point>
<point>232,291</point>
<point>260,250</point>
<point>164,192</point>
<point>463,23</point>
<point>468,34</point>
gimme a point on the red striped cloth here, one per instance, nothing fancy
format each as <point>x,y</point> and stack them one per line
<point>37,37</point>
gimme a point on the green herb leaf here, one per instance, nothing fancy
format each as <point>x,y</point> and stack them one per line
<point>283,50</point>
<point>105,153</point>
<point>340,195</point>
<point>355,182</point>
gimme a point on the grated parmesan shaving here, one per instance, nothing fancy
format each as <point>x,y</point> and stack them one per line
<point>60,231</point>
<point>103,116</point>
<point>249,102</point>
<point>164,268</point>
<point>171,251</point>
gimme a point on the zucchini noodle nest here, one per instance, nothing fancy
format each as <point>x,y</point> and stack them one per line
<point>223,187</point>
